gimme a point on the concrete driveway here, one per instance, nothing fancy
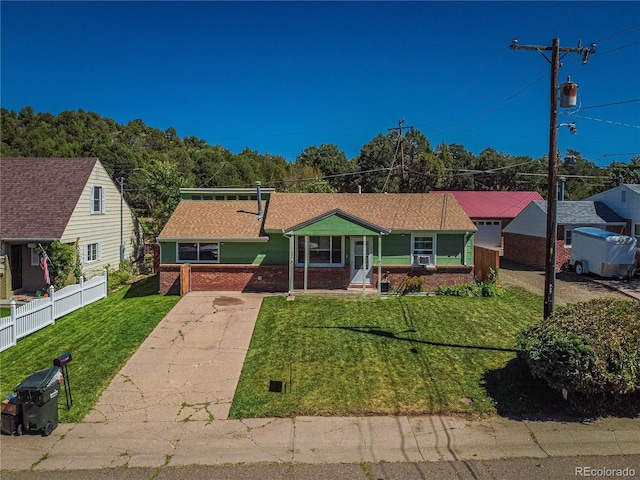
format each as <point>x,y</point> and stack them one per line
<point>189,367</point>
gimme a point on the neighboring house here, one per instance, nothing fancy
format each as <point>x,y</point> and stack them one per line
<point>66,199</point>
<point>314,241</point>
<point>491,212</point>
<point>625,201</point>
<point>525,236</point>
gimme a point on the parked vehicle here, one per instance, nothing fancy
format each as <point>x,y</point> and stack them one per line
<point>601,252</point>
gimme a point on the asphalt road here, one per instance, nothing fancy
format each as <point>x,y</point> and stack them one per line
<point>559,468</point>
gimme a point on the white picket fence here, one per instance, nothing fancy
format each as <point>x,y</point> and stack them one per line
<point>42,312</point>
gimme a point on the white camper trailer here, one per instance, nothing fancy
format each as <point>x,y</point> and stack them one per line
<point>604,253</point>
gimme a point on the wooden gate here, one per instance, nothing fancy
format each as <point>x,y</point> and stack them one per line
<point>185,279</point>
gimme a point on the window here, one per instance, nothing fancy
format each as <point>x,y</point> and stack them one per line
<point>423,250</point>
<point>35,257</point>
<point>322,251</point>
<point>198,252</point>
<point>636,233</point>
<point>97,200</point>
<point>567,238</point>
<point>91,252</point>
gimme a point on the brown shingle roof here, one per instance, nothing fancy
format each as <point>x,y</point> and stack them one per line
<point>38,195</point>
<point>198,219</point>
<point>393,211</point>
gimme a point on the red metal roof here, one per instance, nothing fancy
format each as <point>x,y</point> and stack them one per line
<point>488,204</point>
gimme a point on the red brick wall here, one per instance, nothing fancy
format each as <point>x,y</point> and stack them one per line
<point>529,250</point>
<point>525,249</point>
<point>275,278</point>
<point>443,275</point>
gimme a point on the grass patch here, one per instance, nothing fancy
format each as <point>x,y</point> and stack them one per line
<point>5,311</point>
<point>101,337</point>
<point>403,355</point>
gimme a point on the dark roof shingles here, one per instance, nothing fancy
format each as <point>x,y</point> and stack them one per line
<point>38,195</point>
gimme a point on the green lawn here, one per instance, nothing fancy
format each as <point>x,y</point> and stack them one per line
<point>400,355</point>
<point>5,311</point>
<point>101,337</point>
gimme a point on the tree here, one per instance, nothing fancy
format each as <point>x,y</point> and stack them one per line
<point>159,186</point>
<point>305,179</point>
<point>330,161</point>
<point>380,163</point>
<point>621,173</point>
<point>462,164</point>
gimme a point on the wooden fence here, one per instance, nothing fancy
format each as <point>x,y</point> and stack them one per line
<point>42,312</point>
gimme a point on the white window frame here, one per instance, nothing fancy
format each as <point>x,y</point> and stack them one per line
<point>197,259</point>
<point>636,234</point>
<point>415,251</point>
<point>98,194</point>
<point>92,252</point>
<point>300,261</point>
<point>35,257</point>
<point>568,233</point>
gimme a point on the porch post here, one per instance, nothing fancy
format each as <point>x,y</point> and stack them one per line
<point>306,261</point>
<point>365,259</point>
<point>379,263</point>
<point>291,263</point>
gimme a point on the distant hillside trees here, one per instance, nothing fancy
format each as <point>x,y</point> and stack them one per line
<point>155,163</point>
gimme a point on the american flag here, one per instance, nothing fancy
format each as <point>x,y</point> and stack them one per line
<point>44,265</point>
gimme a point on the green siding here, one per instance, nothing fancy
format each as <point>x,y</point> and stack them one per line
<point>273,252</point>
<point>449,249</point>
<point>334,225</point>
<point>167,252</point>
<point>396,249</point>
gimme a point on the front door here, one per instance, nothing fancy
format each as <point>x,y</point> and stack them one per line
<point>16,267</point>
<point>361,261</point>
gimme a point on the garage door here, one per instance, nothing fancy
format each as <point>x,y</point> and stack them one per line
<point>489,233</point>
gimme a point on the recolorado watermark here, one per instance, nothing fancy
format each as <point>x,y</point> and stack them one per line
<point>585,471</point>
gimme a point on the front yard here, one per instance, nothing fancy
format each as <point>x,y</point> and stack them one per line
<point>101,337</point>
<point>402,355</point>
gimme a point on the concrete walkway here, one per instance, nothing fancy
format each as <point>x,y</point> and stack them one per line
<point>169,406</point>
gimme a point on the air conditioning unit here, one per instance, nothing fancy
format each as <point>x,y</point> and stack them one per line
<point>423,260</point>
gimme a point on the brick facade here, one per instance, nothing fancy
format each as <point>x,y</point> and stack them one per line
<point>275,278</point>
<point>529,250</point>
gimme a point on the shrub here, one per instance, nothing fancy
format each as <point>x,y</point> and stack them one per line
<point>413,285</point>
<point>115,278</point>
<point>488,288</point>
<point>590,348</point>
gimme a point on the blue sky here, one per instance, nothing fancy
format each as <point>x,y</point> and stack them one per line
<point>280,77</point>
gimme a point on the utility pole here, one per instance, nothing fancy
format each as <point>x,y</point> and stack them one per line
<point>399,129</point>
<point>552,183</point>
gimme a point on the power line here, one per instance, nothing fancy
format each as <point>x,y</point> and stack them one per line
<point>610,104</point>
<point>630,29</point>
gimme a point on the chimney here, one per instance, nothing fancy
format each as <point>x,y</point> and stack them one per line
<point>259,200</point>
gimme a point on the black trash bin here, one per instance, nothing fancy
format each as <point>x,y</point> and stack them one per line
<point>38,394</point>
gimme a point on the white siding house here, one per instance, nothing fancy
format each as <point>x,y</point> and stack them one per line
<point>625,201</point>
<point>95,221</point>
<point>72,200</point>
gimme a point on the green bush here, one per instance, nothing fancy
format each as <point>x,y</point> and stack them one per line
<point>590,348</point>
<point>116,278</point>
<point>414,285</point>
